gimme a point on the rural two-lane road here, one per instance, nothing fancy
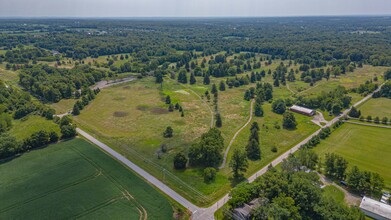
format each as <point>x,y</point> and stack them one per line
<point>206,213</point>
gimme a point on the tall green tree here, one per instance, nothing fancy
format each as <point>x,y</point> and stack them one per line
<point>238,163</point>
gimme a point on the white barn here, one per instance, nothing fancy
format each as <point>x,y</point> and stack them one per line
<point>302,110</point>
<point>375,209</point>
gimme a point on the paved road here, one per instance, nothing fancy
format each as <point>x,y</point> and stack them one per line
<point>107,83</point>
<point>236,134</point>
<point>148,177</point>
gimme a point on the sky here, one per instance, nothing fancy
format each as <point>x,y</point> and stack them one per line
<point>191,8</point>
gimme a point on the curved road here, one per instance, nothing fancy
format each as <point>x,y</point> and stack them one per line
<point>236,134</point>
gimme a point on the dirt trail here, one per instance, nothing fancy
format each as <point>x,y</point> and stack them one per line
<point>236,134</point>
<point>350,198</point>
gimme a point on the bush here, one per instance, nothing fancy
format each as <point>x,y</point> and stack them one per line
<point>163,148</point>
<point>180,161</point>
<point>168,132</point>
<point>274,149</point>
<point>68,131</point>
<point>209,174</point>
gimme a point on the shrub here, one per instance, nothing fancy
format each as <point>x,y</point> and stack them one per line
<point>180,161</point>
<point>209,174</point>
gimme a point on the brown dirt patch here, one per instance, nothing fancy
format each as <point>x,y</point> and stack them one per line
<point>142,108</point>
<point>159,111</point>
<point>120,114</point>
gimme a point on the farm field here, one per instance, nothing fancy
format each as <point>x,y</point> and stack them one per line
<point>73,179</point>
<point>366,147</point>
<point>380,107</point>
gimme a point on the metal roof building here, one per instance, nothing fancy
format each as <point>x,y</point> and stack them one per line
<point>375,209</point>
<point>302,110</point>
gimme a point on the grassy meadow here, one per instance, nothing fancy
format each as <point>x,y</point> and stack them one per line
<point>25,127</point>
<point>380,107</point>
<point>73,179</point>
<point>369,148</point>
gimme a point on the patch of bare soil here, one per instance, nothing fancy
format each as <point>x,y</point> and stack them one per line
<point>159,111</point>
<point>120,114</point>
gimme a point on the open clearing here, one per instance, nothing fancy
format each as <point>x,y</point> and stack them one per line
<point>369,148</point>
<point>73,179</point>
<point>25,127</point>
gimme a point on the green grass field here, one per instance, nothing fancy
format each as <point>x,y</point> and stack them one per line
<point>380,107</point>
<point>335,193</point>
<point>369,148</point>
<point>25,127</point>
<point>73,179</point>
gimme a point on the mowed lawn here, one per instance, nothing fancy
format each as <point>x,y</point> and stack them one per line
<point>380,107</point>
<point>74,179</point>
<point>369,148</point>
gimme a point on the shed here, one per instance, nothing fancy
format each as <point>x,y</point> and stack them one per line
<point>375,209</point>
<point>302,110</point>
<point>244,212</point>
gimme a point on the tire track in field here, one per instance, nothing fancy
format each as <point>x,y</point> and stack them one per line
<point>115,182</point>
<point>98,206</point>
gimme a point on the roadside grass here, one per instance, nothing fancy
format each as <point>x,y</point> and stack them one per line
<point>25,127</point>
<point>366,147</point>
<point>380,107</point>
<point>74,179</point>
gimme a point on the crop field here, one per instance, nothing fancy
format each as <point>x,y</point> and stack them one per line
<point>369,148</point>
<point>380,107</point>
<point>25,127</point>
<point>73,179</point>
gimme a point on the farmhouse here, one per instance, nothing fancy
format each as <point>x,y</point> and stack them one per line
<point>244,211</point>
<point>375,209</point>
<point>302,110</point>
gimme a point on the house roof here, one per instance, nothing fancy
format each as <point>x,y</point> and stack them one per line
<point>376,207</point>
<point>301,109</point>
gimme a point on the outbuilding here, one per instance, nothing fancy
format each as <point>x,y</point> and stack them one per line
<point>302,110</point>
<point>375,209</point>
<point>244,211</point>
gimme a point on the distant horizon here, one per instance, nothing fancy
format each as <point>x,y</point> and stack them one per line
<point>190,17</point>
<point>191,8</point>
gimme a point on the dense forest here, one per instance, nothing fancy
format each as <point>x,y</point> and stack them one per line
<point>312,41</point>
